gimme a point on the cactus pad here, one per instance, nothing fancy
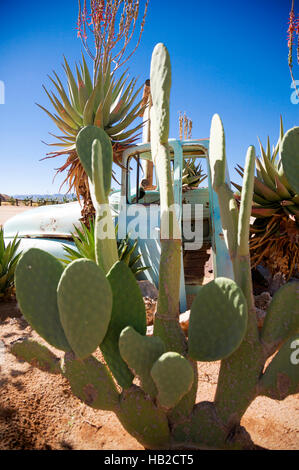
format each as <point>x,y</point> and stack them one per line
<point>282,319</point>
<point>36,355</point>
<point>128,310</point>
<point>281,377</point>
<point>290,157</point>
<point>160,88</point>
<point>246,203</point>
<point>140,353</point>
<point>84,143</point>
<point>217,155</point>
<point>218,321</point>
<point>85,303</point>
<point>98,172</point>
<point>37,277</point>
<point>203,418</point>
<point>173,376</point>
<point>147,423</point>
<point>91,382</point>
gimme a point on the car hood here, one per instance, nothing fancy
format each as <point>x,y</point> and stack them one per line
<point>55,221</point>
<point>46,221</point>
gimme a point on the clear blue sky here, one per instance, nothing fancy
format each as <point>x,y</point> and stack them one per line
<point>228,57</point>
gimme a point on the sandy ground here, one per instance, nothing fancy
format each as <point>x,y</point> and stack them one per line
<point>38,411</point>
<point>6,212</point>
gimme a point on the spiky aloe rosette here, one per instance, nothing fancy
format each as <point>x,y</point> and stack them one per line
<point>8,262</point>
<point>84,239</point>
<point>193,174</point>
<point>109,104</point>
<point>274,239</point>
<point>91,304</point>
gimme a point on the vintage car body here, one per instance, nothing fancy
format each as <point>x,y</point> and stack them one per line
<point>50,227</point>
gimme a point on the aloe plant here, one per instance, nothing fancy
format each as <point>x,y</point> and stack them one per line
<point>161,412</point>
<point>108,103</point>
<point>8,262</point>
<point>193,174</point>
<point>274,232</point>
<point>84,239</point>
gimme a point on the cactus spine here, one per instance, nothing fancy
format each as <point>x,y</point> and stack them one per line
<point>161,411</point>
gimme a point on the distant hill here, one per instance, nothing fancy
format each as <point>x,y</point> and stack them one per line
<point>4,197</point>
<point>34,197</point>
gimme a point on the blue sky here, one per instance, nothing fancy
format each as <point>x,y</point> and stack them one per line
<point>228,57</point>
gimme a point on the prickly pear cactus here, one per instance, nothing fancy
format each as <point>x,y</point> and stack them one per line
<point>37,355</point>
<point>220,303</point>
<point>128,310</point>
<point>290,157</point>
<point>37,277</point>
<point>140,353</point>
<point>165,373</point>
<point>150,383</point>
<point>85,139</point>
<point>91,381</point>
<point>93,297</point>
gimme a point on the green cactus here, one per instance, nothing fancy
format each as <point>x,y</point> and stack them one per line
<point>229,207</point>
<point>91,382</point>
<point>202,426</point>
<point>105,242</point>
<point>166,323</point>
<point>220,303</point>
<point>140,353</point>
<point>128,310</point>
<point>282,317</point>
<point>281,377</point>
<point>36,355</point>
<point>290,157</point>
<point>85,317</point>
<point>173,376</point>
<point>37,277</point>
<point>84,142</point>
<point>100,304</point>
<point>143,419</point>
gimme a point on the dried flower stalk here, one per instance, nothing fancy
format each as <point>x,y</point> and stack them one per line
<point>185,126</point>
<point>292,29</point>
<point>113,24</point>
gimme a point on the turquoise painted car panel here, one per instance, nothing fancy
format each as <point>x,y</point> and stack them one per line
<point>52,246</point>
<point>45,221</point>
<point>50,227</point>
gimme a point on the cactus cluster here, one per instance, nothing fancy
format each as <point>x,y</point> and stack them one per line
<point>151,382</point>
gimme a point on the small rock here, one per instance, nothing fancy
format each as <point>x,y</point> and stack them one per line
<point>277,281</point>
<point>150,330</point>
<point>148,289</point>
<point>150,308</point>
<point>263,301</point>
<point>260,316</point>
<point>184,321</point>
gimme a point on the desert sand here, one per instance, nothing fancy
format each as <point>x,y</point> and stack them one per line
<point>38,410</point>
<point>6,212</point>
